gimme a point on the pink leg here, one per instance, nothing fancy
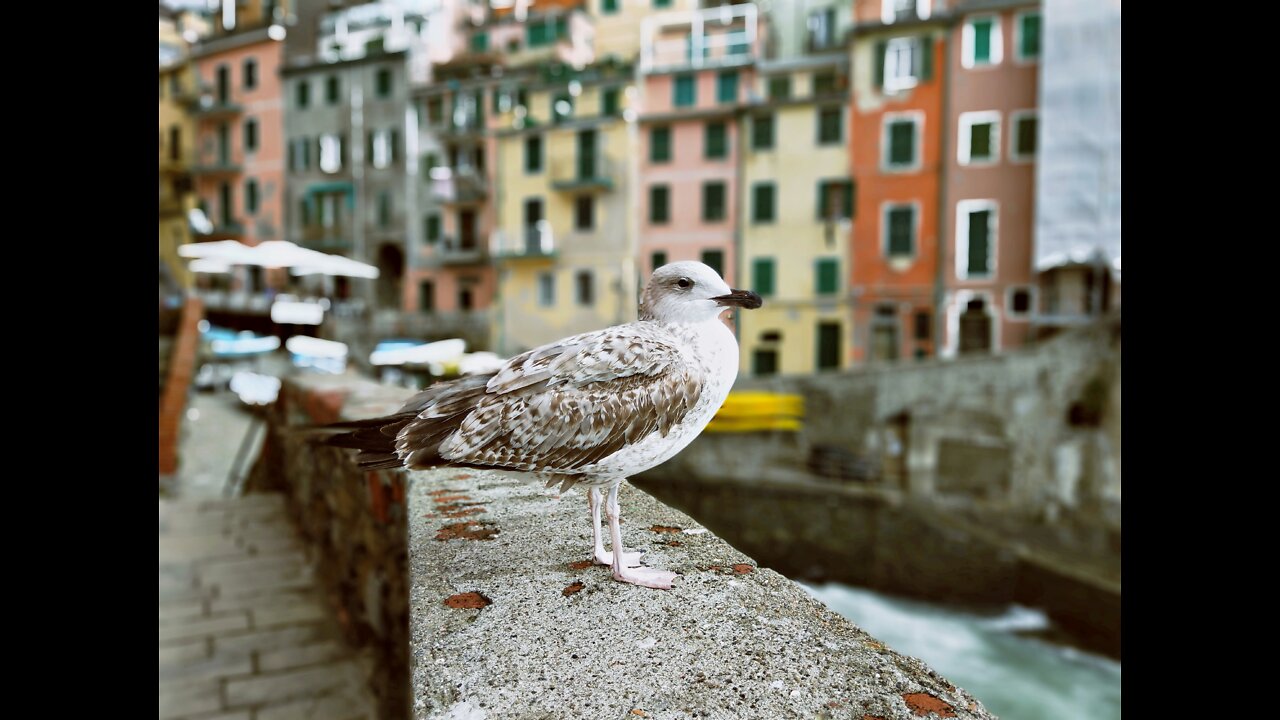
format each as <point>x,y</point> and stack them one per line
<point>646,577</point>
<point>602,556</point>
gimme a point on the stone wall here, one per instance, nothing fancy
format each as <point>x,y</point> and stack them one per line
<point>354,522</point>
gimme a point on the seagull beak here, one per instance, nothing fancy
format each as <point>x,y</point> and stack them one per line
<point>740,298</point>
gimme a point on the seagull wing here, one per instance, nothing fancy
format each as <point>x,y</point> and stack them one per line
<point>562,407</point>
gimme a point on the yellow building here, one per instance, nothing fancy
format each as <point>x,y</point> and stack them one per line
<point>617,24</point>
<point>797,201</point>
<point>565,244</point>
<point>177,135</point>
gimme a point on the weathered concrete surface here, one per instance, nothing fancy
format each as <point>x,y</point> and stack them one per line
<point>508,622</point>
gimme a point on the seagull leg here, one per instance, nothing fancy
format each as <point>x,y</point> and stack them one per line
<point>602,556</point>
<point>646,577</point>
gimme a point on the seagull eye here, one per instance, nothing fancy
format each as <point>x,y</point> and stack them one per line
<point>684,283</point>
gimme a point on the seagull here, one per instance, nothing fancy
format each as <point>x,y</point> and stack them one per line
<point>591,409</point>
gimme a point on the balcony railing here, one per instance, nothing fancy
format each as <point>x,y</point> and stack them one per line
<point>319,237</point>
<point>224,230</point>
<point>216,168</point>
<point>464,185</point>
<point>457,252</point>
<point>575,174</point>
<point>207,107</point>
<point>535,242</point>
<point>712,37</point>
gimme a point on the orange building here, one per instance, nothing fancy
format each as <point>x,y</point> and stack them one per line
<point>896,155</point>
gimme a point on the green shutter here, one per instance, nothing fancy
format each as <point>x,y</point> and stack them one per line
<point>764,362</point>
<point>1031,36</point>
<point>827,276</point>
<point>902,142</point>
<point>727,86</point>
<point>715,145</point>
<point>822,200</point>
<point>779,88</point>
<point>882,47</point>
<point>926,58</point>
<point>979,242</point>
<point>715,260</point>
<point>762,276</point>
<point>660,144</point>
<point>982,42</point>
<point>432,228</point>
<point>900,222</point>
<point>609,6</point>
<point>980,141</point>
<point>685,91</point>
<point>762,202</point>
<point>610,103</point>
<point>659,196</point>
<point>1026,135</point>
<point>657,259</point>
<point>848,199</point>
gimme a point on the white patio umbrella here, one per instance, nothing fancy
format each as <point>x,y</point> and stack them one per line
<point>276,253</point>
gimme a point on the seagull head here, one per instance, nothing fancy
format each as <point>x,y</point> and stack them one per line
<point>691,292</point>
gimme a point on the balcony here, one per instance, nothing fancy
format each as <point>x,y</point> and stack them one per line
<point>532,243</point>
<point>577,174</point>
<point>225,230</point>
<point>463,186</point>
<point>318,237</point>
<point>708,38</point>
<point>221,167</point>
<point>207,108</point>
<point>453,251</point>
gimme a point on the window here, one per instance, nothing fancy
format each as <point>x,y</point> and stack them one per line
<point>609,102</point>
<point>330,210</point>
<point>1028,39</point>
<point>835,199</point>
<point>892,11</point>
<point>975,239</point>
<point>727,86</point>
<point>561,107</point>
<point>905,62</point>
<point>899,231</point>
<point>659,4</point>
<point>540,33</point>
<point>382,83</point>
<point>1018,302</point>
<point>762,132</point>
<point>822,29</point>
<point>224,144</point>
<point>826,276</point>
<point>657,259</point>
<point>426,296</point>
<point>923,326</point>
<point>224,84</point>
<point>224,203</point>
<point>1022,146</point>
<point>901,137</point>
<point>584,212</point>
<point>466,297</point>
<point>304,212</point>
<point>780,88</point>
<point>609,7</point>
<point>829,120</point>
<point>546,289</point>
<point>660,144</point>
<point>384,209</point>
<point>584,288</point>
<point>330,153</point>
<point>381,149</point>
<point>533,154</point>
<point>824,83</point>
<point>175,142</point>
<point>829,345</point>
<point>764,362</point>
<point>762,278</point>
<point>430,161</point>
<point>980,44</point>
<point>435,110</point>
<point>250,72</point>
<point>302,97</point>
<point>331,89</point>
<point>480,42</point>
<point>979,142</point>
<point>431,228</point>
<point>713,209</point>
<point>250,135</point>
<point>686,93</point>
<point>714,259</point>
<point>762,202</point>
<point>659,204</point>
<point>251,196</point>
<point>716,144</point>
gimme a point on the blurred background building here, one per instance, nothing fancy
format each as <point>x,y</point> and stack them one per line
<point>901,179</point>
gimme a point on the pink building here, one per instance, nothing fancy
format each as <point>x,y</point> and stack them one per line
<point>239,161</point>
<point>697,69</point>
